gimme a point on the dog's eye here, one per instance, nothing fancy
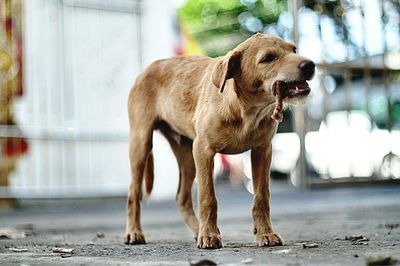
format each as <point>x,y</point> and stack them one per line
<point>269,58</point>
<point>294,50</point>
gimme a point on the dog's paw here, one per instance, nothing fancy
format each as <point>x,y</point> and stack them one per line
<point>209,241</point>
<point>272,239</point>
<point>134,237</point>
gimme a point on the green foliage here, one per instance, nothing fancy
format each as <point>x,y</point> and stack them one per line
<point>213,20</point>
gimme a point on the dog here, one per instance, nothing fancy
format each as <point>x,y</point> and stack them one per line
<point>205,106</point>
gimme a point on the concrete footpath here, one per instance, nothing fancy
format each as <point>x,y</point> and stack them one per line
<point>341,226</point>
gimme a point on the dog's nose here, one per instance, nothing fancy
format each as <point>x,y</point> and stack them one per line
<point>307,69</point>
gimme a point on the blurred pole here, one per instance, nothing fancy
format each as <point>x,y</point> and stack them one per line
<point>323,80</point>
<point>300,175</point>
<point>386,73</point>
<point>366,61</point>
<point>139,15</point>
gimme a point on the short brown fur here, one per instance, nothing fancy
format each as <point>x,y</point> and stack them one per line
<point>204,106</point>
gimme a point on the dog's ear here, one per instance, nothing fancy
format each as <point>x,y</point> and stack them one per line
<point>227,67</point>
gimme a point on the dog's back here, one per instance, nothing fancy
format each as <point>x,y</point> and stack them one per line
<point>169,90</point>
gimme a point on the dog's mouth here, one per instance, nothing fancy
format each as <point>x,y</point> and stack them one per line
<point>292,89</point>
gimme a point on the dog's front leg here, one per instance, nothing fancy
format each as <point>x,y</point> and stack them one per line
<point>260,163</point>
<point>208,236</point>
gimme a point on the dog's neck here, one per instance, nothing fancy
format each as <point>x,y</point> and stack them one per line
<point>236,106</point>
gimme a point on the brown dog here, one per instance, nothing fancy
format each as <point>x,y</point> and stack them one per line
<point>207,105</point>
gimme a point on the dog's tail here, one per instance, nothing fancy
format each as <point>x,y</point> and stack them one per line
<point>149,174</point>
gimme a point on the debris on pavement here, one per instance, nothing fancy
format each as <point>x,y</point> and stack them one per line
<point>100,235</point>
<point>392,226</point>
<point>12,233</point>
<point>203,263</point>
<point>282,251</point>
<point>18,249</point>
<point>357,240</point>
<point>17,232</point>
<point>169,243</point>
<point>359,243</point>
<point>309,245</point>
<point>63,250</point>
<point>247,261</point>
<point>374,261</point>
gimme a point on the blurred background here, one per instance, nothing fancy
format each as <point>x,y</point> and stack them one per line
<point>66,68</point>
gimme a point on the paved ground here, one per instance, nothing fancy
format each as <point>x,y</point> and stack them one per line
<point>324,217</point>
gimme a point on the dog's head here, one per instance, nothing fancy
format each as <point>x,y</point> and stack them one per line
<point>261,62</point>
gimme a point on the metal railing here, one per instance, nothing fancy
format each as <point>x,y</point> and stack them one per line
<point>360,87</point>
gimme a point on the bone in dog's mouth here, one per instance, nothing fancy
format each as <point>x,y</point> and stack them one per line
<point>292,89</point>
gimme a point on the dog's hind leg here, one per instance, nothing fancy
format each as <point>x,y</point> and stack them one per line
<point>187,173</point>
<point>182,148</point>
<point>139,153</point>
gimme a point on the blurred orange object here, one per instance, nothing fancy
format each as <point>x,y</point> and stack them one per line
<point>11,85</point>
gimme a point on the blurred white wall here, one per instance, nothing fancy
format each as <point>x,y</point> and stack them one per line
<point>81,59</point>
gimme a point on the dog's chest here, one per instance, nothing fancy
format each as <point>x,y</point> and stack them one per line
<point>239,136</point>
